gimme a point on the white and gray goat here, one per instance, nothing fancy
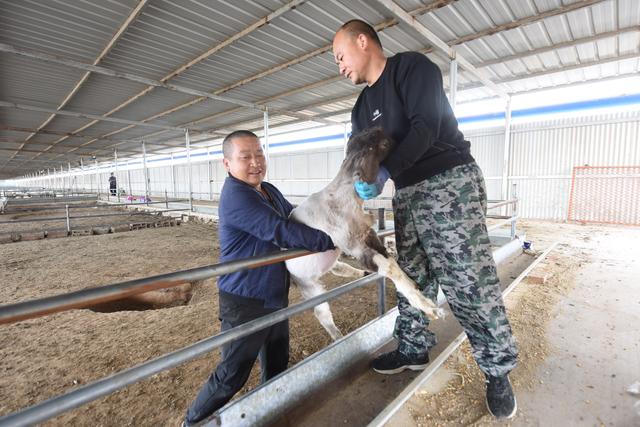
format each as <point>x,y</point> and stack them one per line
<point>338,211</point>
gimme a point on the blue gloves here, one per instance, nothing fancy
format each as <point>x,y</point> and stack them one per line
<point>368,191</point>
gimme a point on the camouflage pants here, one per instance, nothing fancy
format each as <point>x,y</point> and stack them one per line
<point>442,241</point>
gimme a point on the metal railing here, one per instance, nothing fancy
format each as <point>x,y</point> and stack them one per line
<point>31,309</point>
<point>85,394</point>
<point>505,219</point>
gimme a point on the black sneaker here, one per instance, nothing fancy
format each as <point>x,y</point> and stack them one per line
<point>394,362</point>
<point>501,401</point>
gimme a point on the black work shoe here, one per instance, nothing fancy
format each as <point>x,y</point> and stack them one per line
<point>394,362</point>
<point>501,401</point>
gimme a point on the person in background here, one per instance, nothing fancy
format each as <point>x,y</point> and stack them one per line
<point>113,185</point>
<point>253,221</point>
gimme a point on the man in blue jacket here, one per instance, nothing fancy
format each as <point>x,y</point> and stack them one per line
<point>253,221</point>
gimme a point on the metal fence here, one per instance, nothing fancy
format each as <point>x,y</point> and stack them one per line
<point>81,299</point>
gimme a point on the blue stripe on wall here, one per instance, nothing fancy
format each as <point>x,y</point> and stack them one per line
<point>618,101</point>
<point>559,108</point>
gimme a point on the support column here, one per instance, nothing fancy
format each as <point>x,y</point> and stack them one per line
<point>115,156</point>
<point>209,174</point>
<point>173,178</point>
<point>145,172</point>
<point>82,175</point>
<point>265,140</point>
<point>70,179</point>
<point>188,143</point>
<point>97,180</point>
<point>507,150</point>
<point>129,179</point>
<point>453,83</point>
<point>346,140</point>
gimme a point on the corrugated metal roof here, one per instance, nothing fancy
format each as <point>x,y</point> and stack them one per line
<point>223,48</point>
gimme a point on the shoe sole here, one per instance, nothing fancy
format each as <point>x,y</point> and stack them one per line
<point>515,409</point>
<point>400,369</point>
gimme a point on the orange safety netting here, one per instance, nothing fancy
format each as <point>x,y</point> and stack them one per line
<point>605,194</point>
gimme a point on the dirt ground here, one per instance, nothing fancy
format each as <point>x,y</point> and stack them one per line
<point>455,395</point>
<point>46,357</point>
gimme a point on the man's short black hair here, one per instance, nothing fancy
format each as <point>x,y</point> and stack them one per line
<point>227,147</point>
<point>357,26</point>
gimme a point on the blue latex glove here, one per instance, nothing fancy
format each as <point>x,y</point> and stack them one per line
<point>368,191</point>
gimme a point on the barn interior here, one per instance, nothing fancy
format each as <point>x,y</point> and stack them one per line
<point>108,297</point>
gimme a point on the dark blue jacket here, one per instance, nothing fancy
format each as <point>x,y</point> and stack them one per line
<point>250,225</point>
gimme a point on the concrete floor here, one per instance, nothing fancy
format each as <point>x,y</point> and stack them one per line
<point>595,338</point>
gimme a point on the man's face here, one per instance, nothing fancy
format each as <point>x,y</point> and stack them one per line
<point>247,162</point>
<point>350,55</point>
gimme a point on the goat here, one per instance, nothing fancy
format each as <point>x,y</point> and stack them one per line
<point>338,211</point>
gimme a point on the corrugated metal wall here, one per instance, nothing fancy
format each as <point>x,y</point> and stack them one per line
<point>541,159</point>
<point>544,154</point>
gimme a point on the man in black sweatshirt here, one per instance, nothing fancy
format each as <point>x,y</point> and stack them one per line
<point>439,208</point>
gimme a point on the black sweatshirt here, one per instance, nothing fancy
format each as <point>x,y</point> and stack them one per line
<point>409,103</point>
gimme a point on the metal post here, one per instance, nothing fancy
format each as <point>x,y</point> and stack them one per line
<point>187,143</point>
<point>115,156</point>
<point>129,180</point>
<point>507,149</point>
<point>70,182</point>
<point>514,210</point>
<point>84,184</point>
<point>381,224</point>
<point>166,199</point>
<point>209,175</point>
<point>145,173</point>
<point>382,287</point>
<point>173,178</point>
<point>346,140</point>
<point>66,207</point>
<point>265,140</point>
<point>97,180</point>
<point>453,82</point>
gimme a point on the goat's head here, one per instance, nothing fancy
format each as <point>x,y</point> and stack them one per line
<point>365,151</point>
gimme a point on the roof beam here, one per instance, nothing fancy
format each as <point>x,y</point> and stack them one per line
<point>132,16</point>
<point>379,27</point>
<point>353,96</point>
<point>557,46</point>
<point>261,22</point>
<point>578,66</point>
<point>528,20</point>
<point>438,43</point>
<point>70,134</point>
<point>36,144</point>
<point>55,59</point>
<point>99,118</point>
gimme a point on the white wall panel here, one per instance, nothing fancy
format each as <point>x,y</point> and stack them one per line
<point>542,157</point>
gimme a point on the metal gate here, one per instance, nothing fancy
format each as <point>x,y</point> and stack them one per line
<point>605,194</point>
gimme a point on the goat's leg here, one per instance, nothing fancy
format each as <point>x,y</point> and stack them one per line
<point>342,269</point>
<point>388,267</point>
<point>310,287</point>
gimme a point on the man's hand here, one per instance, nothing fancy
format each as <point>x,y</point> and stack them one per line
<point>368,191</point>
